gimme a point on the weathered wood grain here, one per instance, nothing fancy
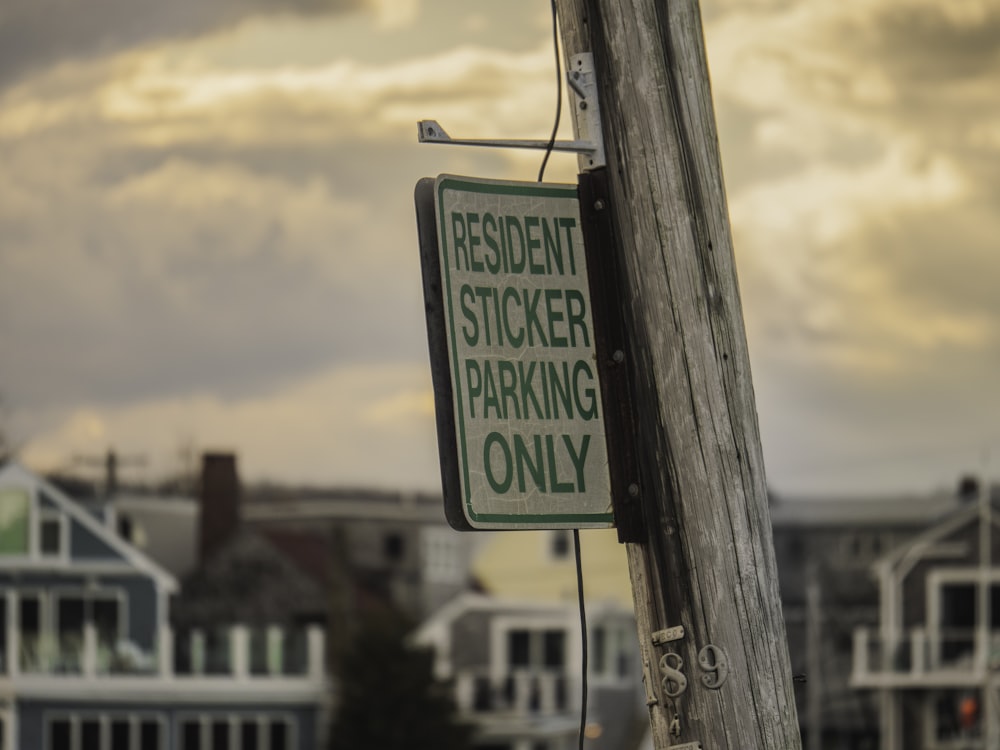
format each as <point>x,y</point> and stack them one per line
<point>708,560</point>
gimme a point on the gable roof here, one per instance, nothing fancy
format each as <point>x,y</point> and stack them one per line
<point>914,548</point>
<point>13,474</point>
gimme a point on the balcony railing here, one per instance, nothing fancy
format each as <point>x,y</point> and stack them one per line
<point>948,657</point>
<point>235,651</point>
<point>523,692</point>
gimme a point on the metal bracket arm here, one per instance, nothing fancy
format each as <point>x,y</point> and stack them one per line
<point>430,131</point>
<point>587,122</point>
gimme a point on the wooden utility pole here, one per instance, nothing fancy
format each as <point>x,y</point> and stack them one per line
<point>704,578</point>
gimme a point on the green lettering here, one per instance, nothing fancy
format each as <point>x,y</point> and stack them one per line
<point>472,220</point>
<point>531,222</point>
<point>508,387</point>
<point>554,316</point>
<point>471,337</point>
<point>531,319</point>
<point>553,248</point>
<point>555,484</point>
<point>523,461</point>
<point>490,399</point>
<point>588,411</point>
<point>473,388</point>
<point>458,222</point>
<point>501,487</point>
<point>579,459</point>
<point>490,227</point>
<point>568,223</point>
<point>511,294</point>
<point>516,263</point>
<point>576,318</point>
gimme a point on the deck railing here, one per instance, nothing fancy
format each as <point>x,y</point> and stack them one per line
<point>233,651</point>
<point>946,656</point>
<point>522,692</point>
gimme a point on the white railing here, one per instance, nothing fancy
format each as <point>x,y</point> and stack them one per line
<point>233,652</point>
<point>523,692</point>
<point>947,656</point>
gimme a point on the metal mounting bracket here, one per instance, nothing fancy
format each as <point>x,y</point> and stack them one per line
<point>589,143</point>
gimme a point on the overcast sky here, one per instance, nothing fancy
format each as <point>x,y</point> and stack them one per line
<point>207,237</point>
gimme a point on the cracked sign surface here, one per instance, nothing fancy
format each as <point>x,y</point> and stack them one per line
<point>527,401</point>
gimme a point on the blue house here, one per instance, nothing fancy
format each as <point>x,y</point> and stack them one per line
<point>89,660</point>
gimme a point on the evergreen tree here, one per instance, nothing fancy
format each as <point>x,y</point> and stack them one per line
<point>387,697</point>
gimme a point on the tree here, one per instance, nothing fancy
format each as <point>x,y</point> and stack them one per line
<point>388,697</point>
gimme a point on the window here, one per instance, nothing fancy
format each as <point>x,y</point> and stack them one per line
<point>554,648</point>
<point>392,547</point>
<point>540,649</point>
<point>249,735</point>
<point>191,735</point>
<point>221,732</point>
<point>279,735</point>
<point>15,506</point>
<point>104,732</point>
<point>59,735</point>
<point>30,624</point>
<point>125,527</point>
<point>519,648</point>
<point>611,649</point>
<point>559,544</point>
<point>50,536</point>
<point>957,716</point>
<point>121,734</point>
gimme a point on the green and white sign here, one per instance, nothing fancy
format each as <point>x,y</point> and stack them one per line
<point>520,338</point>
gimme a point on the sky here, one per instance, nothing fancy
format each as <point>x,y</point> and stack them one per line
<point>207,233</point>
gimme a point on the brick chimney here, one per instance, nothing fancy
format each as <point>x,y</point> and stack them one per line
<point>219,498</point>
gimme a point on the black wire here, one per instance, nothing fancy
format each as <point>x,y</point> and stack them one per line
<point>555,126</point>
<point>584,656</point>
<point>583,631</point>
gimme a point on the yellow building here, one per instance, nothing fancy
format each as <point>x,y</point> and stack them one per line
<point>540,566</point>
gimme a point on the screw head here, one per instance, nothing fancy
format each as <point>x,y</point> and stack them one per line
<point>633,490</point>
<point>618,357</point>
<point>599,205</point>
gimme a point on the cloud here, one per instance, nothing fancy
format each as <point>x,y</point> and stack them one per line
<point>311,430</point>
<point>36,34</point>
<point>171,225</point>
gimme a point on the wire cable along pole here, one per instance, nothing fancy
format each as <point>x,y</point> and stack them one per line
<point>704,578</point>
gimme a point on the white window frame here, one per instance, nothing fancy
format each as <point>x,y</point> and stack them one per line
<point>936,580</point>
<point>502,626</point>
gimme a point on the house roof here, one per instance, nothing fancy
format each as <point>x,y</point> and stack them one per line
<point>914,548</point>
<point>908,510</point>
<point>13,474</point>
<point>248,579</point>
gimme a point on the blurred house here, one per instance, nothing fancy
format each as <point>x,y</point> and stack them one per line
<point>516,671</point>
<point>89,659</point>
<point>931,659</point>
<point>392,547</point>
<point>825,550</point>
